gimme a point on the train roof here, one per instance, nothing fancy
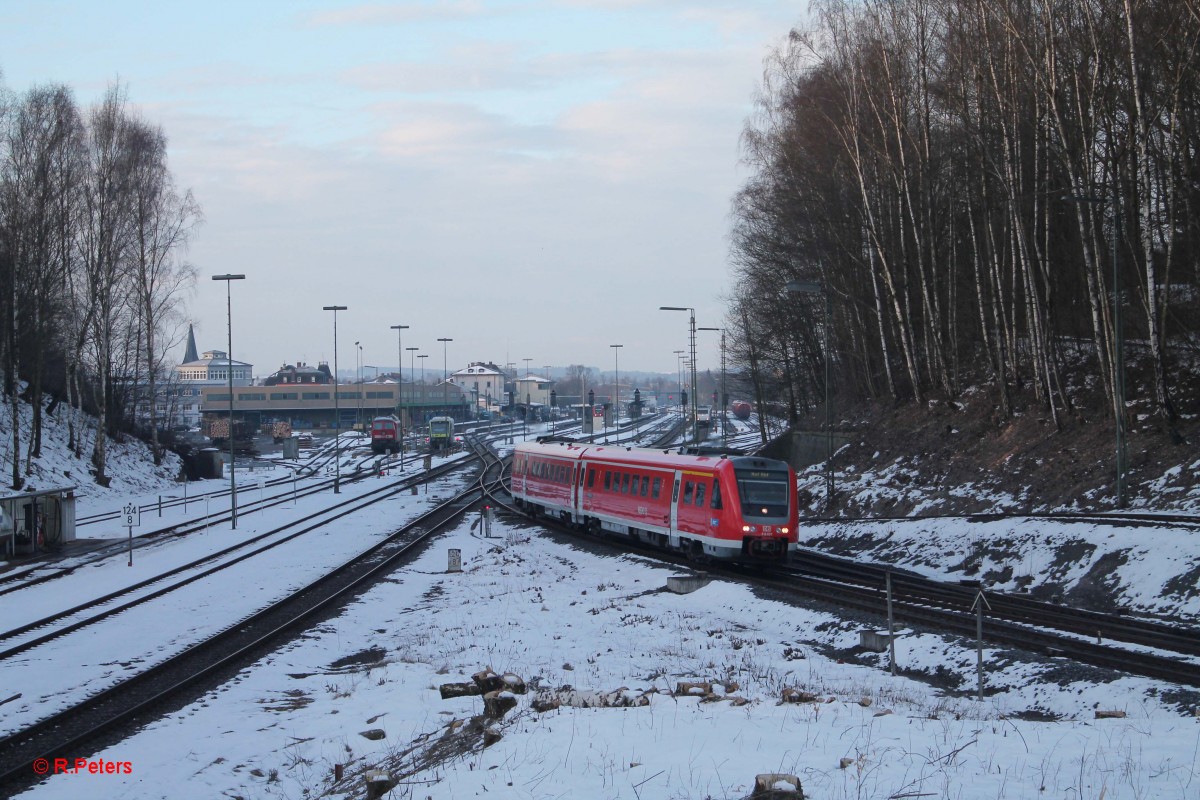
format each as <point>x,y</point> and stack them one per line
<point>667,459</point>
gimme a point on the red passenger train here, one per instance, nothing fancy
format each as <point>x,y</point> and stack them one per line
<point>736,508</point>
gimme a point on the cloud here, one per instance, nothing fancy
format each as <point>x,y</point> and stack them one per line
<point>396,13</point>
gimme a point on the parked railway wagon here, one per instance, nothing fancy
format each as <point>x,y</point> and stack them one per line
<point>734,508</point>
<point>741,409</point>
<point>441,433</point>
<point>385,434</point>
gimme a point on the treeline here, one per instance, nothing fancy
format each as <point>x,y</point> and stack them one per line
<point>93,232</point>
<point>970,184</point>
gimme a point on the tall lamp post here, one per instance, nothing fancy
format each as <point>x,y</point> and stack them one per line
<point>424,393</point>
<point>337,421</point>
<point>374,379</point>
<point>229,357</point>
<point>399,329</point>
<point>527,398</point>
<point>1118,338</point>
<point>445,375</point>
<point>616,386</point>
<point>412,378</point>
<point>692,347</point>
<point>679,376</point>
<point>809,287</point>
<point>724,398</point>
<point>358,380</point>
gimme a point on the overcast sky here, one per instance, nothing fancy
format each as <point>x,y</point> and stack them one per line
<point>530,178</point>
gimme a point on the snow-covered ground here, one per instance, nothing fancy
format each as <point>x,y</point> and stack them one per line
<point>559,612</point>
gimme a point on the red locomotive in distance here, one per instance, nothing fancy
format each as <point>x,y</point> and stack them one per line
<point>385,434</point>
<point>741,409</point>
<point>734,508</point>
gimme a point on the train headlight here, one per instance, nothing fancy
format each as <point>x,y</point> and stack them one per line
<point>784,531</point>
<point>745,529</point>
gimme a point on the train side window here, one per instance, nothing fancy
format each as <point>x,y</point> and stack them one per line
<point>700,494</point>
<point>645,485</point>
<point>656,490</point>
<point>688,488</point>
<point>625,483</point>
<point>716,494</point>
<point>607,480</point>
<point>591,479</point>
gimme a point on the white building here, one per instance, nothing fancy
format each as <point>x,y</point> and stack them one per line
<point>534,390</point>
<point>480,380</point>
<point>210,369</point>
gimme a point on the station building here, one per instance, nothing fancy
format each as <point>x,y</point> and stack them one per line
<point>312,406</point>
<point>196,373</point>
<point>484,381</point>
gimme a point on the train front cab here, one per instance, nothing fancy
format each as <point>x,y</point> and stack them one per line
<point>385,435</point>
<point>767,506</point>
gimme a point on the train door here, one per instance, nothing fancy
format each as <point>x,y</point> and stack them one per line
<point>577,491</point>
<point>674,531</point>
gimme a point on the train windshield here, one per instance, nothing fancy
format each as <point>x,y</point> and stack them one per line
<point>764,493</point>
<point>440,426</point>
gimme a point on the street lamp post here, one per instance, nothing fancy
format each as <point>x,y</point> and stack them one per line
<point>399,329</point>
<point>358,380</point>
<point>337,421</point>
<point>424,393</point>
<point>616,386</point>
<point>692,347</point>
<point>412,378</point>
<point>445,375</point>
<point>679,377</point>
<point>1118,339</point>
<point>724,399</point>
<point>527,398</point>
<point>229,357</point>
<point>809,287</point>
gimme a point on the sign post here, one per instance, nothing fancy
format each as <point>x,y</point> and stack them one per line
<point>132,515</point>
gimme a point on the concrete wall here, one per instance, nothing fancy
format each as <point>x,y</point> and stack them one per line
<point>803,448</point>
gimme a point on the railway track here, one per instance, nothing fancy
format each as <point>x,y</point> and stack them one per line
<point>103,608</point>
<point>1121,643</point>
<point>1041,628</point>
<point>75,729</point>
<point>311,467</point>
<point>18,580</point>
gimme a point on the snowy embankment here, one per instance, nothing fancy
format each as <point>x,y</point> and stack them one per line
<point>1142,568</point>
<point>128,461</point>
<point>362,690</point>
